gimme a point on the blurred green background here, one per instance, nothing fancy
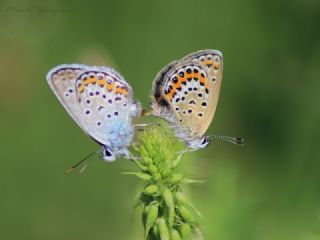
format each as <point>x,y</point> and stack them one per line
<point>267,190</point>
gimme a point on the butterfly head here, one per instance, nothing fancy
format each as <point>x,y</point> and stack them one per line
<point>199,143</point>
<point>108,155</point>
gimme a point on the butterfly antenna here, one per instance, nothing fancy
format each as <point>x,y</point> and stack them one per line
<point>81,162</point>
<point>234,140</point>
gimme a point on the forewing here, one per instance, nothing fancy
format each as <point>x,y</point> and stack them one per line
<point>86,94</point>
<point>105,100</point>
<point>190,89</point>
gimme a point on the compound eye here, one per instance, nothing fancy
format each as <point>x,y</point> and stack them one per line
<point>107,153</point>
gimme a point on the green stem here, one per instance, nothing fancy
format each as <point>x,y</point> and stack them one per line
<point>167,214</point>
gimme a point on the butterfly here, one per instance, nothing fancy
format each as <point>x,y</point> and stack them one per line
<point>186,93</point>
<point>100,101</point>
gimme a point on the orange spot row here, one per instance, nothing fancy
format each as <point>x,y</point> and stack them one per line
<point>121,90</point>
<point>204,81</point>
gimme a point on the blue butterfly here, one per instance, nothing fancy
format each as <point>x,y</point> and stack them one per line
<point>100,101</point>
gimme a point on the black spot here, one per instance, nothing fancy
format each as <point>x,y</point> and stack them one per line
<point>188,70</point>
<point>183,98</point>
<point>184,83</point>
<point>195,70</point>
<point>107,153</point>
<point>180,120</point>
<point>179,89</point>
<point>181,74</point>
<point>104,96</point>
<point>175,79</point>
<point>88,101</point>
<point>204,104</point>
<point>200,114</point>
<point>91,93</point>
<point>117,99</point>
<point>189,89</point>
<point>109,116</point>
<point>109,101</point>
<point>196,79</point>
<point>207,90</point>
<point>97,92</point>
<point>192,102</point>
<point>124,104</point>
<point>199,94</point>
<point>116,113</point>
<point>177,99</point>
<point>177,109</point>
<point>70,90</point>
<point>166,91</point>
<point>98,123</point>
<point>92,76</point>
<point>100,108</point>
<point>202,75</point>
<point>209,65</point>
<point>201,84</point>
<point>85,78</point>
<point>184,112</point>
<point>209,57</point>
<point>213,79</point>
<point>87,112</point>
<point>67,94</point>
<point>170,87</point>
<point>189,110</point>
<point>195,89</point>
<point>189,79</point>
<point>185,92</point>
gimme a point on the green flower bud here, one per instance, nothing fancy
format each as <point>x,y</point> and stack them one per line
<point>157,176</point>
<point>143,152</point>
<point>144,176</point>
<point>185,230</point>
<point>155,230</point>
<point>176,177</point>
<point>168,198</point>
<point>147,160</point>
<point>140,165</point>
<point>175,235</point>
<point>181,198</point>
<point>186,214</point>
<point>151,189</point>
<point>153,168</point>
<point>163,229</point>
<point>151,217</point>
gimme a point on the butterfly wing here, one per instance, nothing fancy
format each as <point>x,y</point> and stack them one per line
<point>97,98</point>
<point>188,91</point>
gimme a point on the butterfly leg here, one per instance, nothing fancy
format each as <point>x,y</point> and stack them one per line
<point>142,126</point>
<point>128,155</point>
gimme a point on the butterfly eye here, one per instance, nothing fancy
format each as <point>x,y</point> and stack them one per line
<point>108,155</point>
